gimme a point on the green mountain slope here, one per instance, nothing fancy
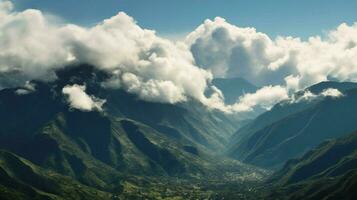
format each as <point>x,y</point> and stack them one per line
<point>271,144</point>
<point>131,149</point>
<point>327,172</point>
<point>21,179</point>
<point>340,187</point>
<point>284,109</point>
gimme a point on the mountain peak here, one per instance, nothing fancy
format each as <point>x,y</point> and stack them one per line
<point>233,88</point>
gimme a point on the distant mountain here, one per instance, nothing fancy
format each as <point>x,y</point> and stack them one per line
<point>341,86</point>
<point>327,172</point>
<point>290,129</point>
<point>233,88</point>
<point>111,152</point>
<point>284,109</point>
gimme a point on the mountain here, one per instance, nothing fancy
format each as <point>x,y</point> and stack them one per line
<point>284,109</point>
<point>341,187</point>
<point>290,129</point>
<point>21,179</point>
<point>233,88</point>
<point>129,149</point>
<point>327,172</point>
<point>341,86</point>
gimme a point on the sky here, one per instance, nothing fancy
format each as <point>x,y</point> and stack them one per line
<point>169,51</point>
<point>171,18</point>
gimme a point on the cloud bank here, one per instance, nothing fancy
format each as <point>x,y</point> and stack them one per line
<point>155,69</point>
<point>265,97</point>
<point>230,51</point>
<point>79,99</point>
<point>309,96</point>
<point>33,46</point>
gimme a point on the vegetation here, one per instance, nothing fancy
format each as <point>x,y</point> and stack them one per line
<point>133,149</point>
<point>290,130</point>
<point>142,150</point>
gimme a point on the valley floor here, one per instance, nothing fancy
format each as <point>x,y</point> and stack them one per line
<point>168,188</point>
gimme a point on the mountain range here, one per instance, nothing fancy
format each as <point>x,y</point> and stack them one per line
<point>48,146</point>
<point>326,172</point>
<point>129,148</point>
<point>290,129</point>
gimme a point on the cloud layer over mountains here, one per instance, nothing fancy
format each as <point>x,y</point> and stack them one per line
<point>79,99</point>
<point>230,51</point>
<point>33,46</point>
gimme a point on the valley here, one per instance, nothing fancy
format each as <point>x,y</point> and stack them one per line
<point>178,100</point>
<point>134,149</point>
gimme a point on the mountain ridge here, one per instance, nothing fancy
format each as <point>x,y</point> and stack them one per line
<point>327,172</point>
<point>117,150</point>
<point>279,132</point>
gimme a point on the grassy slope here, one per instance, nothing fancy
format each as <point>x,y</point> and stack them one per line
<point>133,148</point>
<point>327,172</point>
<point>21,179</point>
<point>292,136</point>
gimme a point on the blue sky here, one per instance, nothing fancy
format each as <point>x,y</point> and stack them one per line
<point>301,18</point>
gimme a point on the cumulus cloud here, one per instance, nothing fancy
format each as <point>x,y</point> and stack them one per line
<point>154,68</point>
<point>309,96</point>
<point>5,7</point>
<point>265,97</point>
<point>228,50</point>
<point>159,70</point>
<point>26,89</point>
<point>79,99</point>
<point>332,92</point>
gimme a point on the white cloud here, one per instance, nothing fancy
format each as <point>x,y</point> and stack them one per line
<point>30,46</point>
<point>331,92</point>
<point>79,99</point>
<point>231,51</point>
<point>26,89</point>
<point>161,71</point>
<point>155,69</point>
<point>309,96</point>
<point>153,90</point>
<point>5,8</point>
<point>228,50</point>
<point>265,97</point>
<point>22,91</point>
